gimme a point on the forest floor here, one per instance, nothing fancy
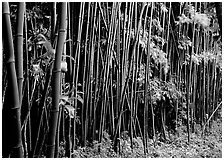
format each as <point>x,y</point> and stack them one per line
<point>176,146</point>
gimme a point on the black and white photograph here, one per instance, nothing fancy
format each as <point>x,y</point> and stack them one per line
<point>112,79</point>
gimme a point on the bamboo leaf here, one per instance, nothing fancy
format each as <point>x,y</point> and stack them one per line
<point>70,111</point>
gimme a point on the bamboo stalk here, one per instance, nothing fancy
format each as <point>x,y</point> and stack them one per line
<point>76,66</point>
<point>147,89</point>
<point>43,104</point>
<point>28,126</point>
<point>84,73</point>
<point>125,79</point>
<point>53,21</point>
<point>12,138</point>
<point>19,48</point>
<point>203,129</point>
<point>107,70</point>
<point>69,46</point>
<point>89,81</point>
<point>56,83</point>
<point>189,84</point>
<point>97,84</point>
<point>57,141</point>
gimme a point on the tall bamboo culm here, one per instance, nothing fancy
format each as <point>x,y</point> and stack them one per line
<point>56,82</point>
<point>19,48</point>
<point>12,139</point>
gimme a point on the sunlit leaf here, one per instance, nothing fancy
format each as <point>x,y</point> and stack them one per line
<point>70,111</point>
<point>79,98</point>
<point>64,99</point>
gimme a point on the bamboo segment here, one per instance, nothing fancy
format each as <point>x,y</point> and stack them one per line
<point>19,47</point>
<point>12,138</point>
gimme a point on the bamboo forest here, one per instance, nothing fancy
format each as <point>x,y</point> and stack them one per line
<point>111,79</point>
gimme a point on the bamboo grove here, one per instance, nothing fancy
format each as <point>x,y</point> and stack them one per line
<point>78,72</point>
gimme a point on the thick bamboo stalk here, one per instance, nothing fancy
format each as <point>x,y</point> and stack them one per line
<point>57,143</point>
<point>56,83</point>
<point>19,48</point>
<point>12,138</point>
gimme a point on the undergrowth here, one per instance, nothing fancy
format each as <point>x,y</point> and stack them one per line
<point>176,146</point>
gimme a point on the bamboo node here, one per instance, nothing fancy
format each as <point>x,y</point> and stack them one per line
<point>10,60</point>
<point>62,30</point>
<point>54,111</point>
<point>56,71</point>
<point>19,35</point>
<point>50,145</point>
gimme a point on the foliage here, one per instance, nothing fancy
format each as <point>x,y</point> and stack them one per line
<point>175,147</point>
<point>160,90</point>
<point>191,15</point>
<point>184,42</point>
<point>206,57</point>
<point>101,149</point>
